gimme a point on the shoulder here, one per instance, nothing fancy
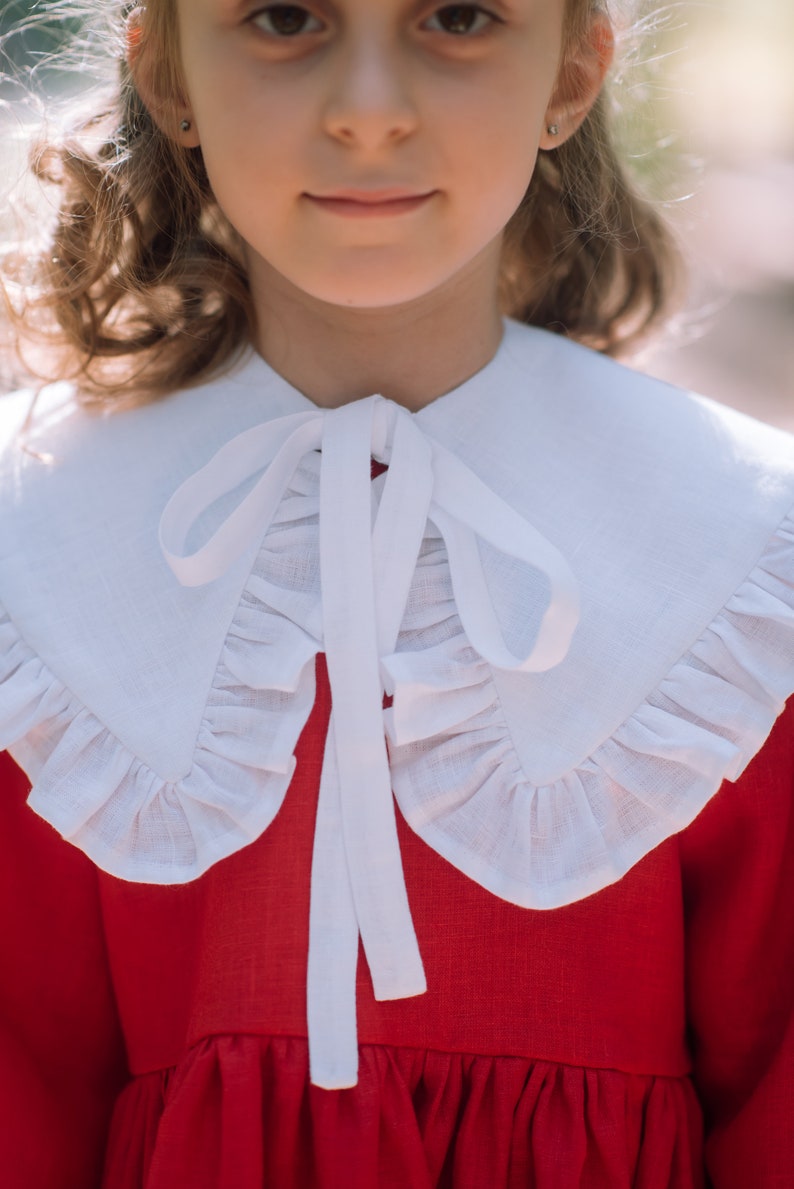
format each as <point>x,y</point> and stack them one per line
<point>579,441</point>
<point>593,407</point>
<point>82,489</point>
<point>56,449</point>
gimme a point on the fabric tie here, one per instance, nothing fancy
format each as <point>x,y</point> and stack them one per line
<point>366,571</point>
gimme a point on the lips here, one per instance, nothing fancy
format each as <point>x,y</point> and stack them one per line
<point>371,203</point>
<point>372,197</point>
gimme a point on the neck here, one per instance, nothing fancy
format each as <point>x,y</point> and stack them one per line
<point>410,353</point>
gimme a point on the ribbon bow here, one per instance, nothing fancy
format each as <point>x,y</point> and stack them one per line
<point>358,887</point>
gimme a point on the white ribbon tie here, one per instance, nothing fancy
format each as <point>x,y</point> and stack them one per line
<point>358,888</point>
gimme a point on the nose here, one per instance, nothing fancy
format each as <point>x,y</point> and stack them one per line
<point>369,102</point>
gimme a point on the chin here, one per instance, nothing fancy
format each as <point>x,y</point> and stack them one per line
<point>363,294</point>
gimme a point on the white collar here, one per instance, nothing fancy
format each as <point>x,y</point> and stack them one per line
<point>541,777</point>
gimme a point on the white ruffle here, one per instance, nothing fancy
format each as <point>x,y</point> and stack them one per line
<point>122,814</point>
<point>460,784</point>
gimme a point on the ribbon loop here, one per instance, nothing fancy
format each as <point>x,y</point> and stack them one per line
<point>464,506</point>
<point>278,446</point>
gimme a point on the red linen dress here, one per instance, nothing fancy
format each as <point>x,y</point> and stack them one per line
<point>155,1037</point>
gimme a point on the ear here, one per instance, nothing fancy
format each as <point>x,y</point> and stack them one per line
<point>579,82</point>
<point>157,85</point>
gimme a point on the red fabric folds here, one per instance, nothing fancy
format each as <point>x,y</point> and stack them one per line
<point>239,1113</point>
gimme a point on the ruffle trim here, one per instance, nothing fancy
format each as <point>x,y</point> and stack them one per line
<point>129,820</point>
<point>456,773</point>
<point>459,781</point>
<point>238,1113</point>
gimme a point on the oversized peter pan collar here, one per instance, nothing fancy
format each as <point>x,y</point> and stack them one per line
<point>576,583</point>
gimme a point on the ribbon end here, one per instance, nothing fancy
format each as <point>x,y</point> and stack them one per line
<point>330,1074</point>
<point>399,984</point>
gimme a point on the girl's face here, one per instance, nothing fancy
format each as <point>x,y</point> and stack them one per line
<point>369,150</point>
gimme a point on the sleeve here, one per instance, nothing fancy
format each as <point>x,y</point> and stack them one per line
<point>62,1059</point>
<point>738,868</point>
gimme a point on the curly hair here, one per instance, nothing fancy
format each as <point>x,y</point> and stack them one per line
<point>142,288</point>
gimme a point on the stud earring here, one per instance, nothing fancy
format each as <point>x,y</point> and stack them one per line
<point>184,126</point>
<point>553,129</point>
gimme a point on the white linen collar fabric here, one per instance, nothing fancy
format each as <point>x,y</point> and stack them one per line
<point>576,583</point>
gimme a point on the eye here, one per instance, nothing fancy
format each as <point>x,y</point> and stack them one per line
<point>286,20</point>
<point>461,20</point>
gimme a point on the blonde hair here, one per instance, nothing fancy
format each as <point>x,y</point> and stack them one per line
<point>142,288</point>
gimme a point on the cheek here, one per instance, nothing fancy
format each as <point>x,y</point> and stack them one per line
<point>499,147</point>
<point>263,156</point>
<point>248,150</point>
<point>232,108</point>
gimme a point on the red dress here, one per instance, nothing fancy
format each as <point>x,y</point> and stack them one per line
<point>155,1037</point>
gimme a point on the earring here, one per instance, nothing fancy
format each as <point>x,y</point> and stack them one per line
<point>553,129</point>
<point>184,126</point>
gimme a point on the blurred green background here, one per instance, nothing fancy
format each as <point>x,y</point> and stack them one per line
<point>706,113</point>
<point>23,50</point>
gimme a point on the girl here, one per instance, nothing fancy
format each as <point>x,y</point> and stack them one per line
<point>394,534</point>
